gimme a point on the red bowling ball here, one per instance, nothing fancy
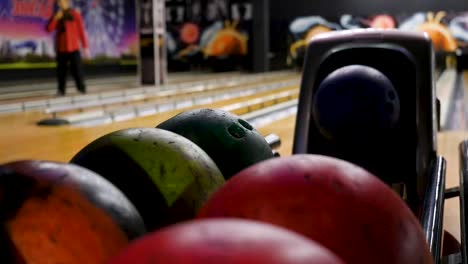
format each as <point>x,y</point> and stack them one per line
<point>331,201</point>
<point>225,241</point>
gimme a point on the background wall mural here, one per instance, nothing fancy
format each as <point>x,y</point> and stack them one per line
<point>447,30</point>
<point>24,42</point>
<point>197,32</point>
<point>207,29</point>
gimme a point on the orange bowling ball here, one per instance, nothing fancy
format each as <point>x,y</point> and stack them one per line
<point>62,213</point>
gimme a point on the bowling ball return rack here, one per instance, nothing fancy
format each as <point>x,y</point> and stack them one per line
<point>368,96</point>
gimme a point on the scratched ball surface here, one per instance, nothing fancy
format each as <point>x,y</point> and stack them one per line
<point>333,202</point>
<point>166,176</point>
<point>232,143</point>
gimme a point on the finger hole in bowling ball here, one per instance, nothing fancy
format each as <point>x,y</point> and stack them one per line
<point>236,131</point>
<point>245,124</point>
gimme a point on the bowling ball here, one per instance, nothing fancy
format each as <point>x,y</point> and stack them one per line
<point>61,213</point>
<point>331,201</point>
<point>355,102</point>
<point>232,241</point>
<point>166,176</point>
<point>230,141</point>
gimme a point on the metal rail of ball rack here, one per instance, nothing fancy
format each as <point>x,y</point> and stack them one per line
<point>434,202</point>
<point>433,209</point>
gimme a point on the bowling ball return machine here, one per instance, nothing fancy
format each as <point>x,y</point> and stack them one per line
<point>368,96</point>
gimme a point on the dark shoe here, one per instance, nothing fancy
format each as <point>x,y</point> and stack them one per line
<point>60,94</point>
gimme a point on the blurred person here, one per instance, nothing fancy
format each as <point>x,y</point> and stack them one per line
<point>70,33</point>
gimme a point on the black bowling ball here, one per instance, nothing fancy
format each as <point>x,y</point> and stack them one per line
<point>355,102</point>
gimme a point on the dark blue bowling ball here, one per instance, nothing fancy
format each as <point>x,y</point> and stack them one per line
<point>355,102</point>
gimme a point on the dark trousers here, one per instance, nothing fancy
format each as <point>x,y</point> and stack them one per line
<point>74,59</point>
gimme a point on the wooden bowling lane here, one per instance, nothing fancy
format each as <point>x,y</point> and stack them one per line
<point>47,90</point>
<point>123,101</point>
<point>274,95</point>
<point>22,139</point>
<point>168,95</point>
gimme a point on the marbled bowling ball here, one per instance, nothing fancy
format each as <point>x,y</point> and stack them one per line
<point>62,213</point>
<point>166,176</point>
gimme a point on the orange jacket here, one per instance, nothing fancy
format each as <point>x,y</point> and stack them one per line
<point>69,32</point>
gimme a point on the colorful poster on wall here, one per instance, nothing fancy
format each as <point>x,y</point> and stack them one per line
<point>24,42</point>
<point>201,29</point>
<point>447,30</point>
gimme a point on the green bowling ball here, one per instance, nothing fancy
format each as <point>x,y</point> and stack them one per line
<point>166,176</point>
<point>230,141</point>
